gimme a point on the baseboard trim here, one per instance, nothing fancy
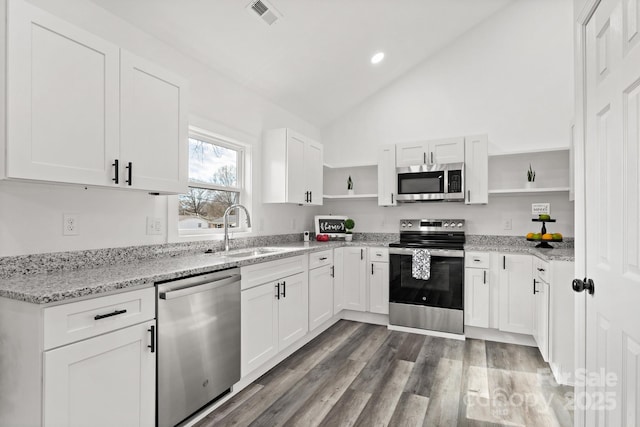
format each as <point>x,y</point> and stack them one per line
<point>489,334</point>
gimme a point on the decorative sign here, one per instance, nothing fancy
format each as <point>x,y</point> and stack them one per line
<point>332,225</point>
<point>540,208</point>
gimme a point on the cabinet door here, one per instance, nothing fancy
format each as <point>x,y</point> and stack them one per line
<point>154,122</point>
<point>516,294</point>
<point>293,309</point>
<point>387,176</point>
<point>62,100</point>
<point>338,280</point>
<point>313,168</point>
<point>476,298</point>
<point>295,183</point>
<point>541,318</point>
<point>411,153</point>
<point>450,150</point>
<point>476,170</point>
<point>379,288</point>
<point>108,380</point>
<point>259,326</point>
<point>355,279</point>
<point>320,296</point>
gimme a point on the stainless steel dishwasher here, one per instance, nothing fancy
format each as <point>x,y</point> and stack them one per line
<point>198,342</point>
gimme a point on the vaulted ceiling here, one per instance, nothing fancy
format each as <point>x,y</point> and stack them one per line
<point>315,59</point>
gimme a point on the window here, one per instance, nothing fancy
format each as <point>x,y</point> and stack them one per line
<point>215,183</point>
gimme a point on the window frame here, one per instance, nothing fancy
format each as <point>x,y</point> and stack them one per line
<point>241,179</point>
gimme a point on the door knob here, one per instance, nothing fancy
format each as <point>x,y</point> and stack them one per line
<point>585,284</point>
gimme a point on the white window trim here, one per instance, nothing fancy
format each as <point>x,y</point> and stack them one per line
<point>244,180</point>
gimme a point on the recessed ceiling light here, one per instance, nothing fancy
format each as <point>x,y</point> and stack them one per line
<point>377,58</point>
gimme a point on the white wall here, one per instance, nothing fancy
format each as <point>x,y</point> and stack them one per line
<point>31,213</point>
<point>509,77</point>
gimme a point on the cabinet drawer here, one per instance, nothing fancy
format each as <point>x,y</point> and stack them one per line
<point>541,270</point>
<point>67,323</point>
<point>379,254</point>
<point>257,274</point>
<point>476,259</point>
<point>319,259</point>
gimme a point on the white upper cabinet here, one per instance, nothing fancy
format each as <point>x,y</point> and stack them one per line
<point>62,100</point>
<point>154,122</point>
<point>79,113</point>
<point>476,169</point>
<point>387,177</point>
<point>450,150</point>
<point>292,168</point>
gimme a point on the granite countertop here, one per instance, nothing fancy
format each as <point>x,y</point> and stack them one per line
<point>46,288</point>
<point>558,254</point>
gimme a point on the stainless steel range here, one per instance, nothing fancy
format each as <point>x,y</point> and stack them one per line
<point>436,303</point>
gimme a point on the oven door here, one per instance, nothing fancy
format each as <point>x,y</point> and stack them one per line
<point>445,287</point>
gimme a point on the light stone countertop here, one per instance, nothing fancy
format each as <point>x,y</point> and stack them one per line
<point>48,288</point>
<point>558,254</point>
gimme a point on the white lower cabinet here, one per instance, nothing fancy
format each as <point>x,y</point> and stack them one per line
<point>108,380</point>
<point>321,299</point>
<point>541,317</point>
<point>516,293</point>
<point>379,280</point>
<point>477,290</point>
<point>274,314</point>
<point>354,278</point>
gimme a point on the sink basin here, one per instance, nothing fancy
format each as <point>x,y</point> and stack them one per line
<point>253,252</point>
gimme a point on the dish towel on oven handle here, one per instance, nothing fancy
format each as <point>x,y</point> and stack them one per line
<point>421,264</point>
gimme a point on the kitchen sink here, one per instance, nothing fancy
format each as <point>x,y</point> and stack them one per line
<point>254,252</point>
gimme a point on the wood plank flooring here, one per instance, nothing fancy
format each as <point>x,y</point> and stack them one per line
<point>356,374</point>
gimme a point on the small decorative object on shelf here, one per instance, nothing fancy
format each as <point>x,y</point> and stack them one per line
<point>349,224</point>
<point>531,178</point>
<point>350,186</point>
<point>543,237</point>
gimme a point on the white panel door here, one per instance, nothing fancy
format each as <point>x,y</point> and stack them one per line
<point>62,100</point>
<point>108,380</point>
<point>293,309</point>
<point>387,176</point>
<point>154,121</point>
<point>476,170</point>
<point>516,294</point>
<point>355,279</point>
<point>450,150</point>
<point>338,280</point>
<point>296,186</point>
<point>320,296</point>
<point>476,299</point>
<point>313,168</point>
<point>379,287</point>
<point>612,213</point>
<point>411,153</point>
<point>259,326</point>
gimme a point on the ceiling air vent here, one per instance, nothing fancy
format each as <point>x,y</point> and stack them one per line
<point>265,11</point>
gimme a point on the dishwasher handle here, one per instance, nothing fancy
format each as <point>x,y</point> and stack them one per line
<point>201,287</point>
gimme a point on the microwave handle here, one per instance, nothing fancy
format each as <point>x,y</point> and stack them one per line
<point>424,158</point>
<point>469,196</point>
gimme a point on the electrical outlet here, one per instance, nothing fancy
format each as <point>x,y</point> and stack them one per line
<point>154,225</point>
<point>69,225</point>
<point>507,224</point>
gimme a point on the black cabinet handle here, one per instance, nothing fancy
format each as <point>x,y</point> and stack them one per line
<point>115,313</point>
<point>372,269</point>
<point>116,171</point>
<point>504,262</point>
<point>431,157</point>
<point>424,158</point>
<point>278,290</point>
<point>129,168</point>
<point>333,271</point>
<point>484,277</point>
<point>284,289</point>
<point>310,196</point>
<point>152,346</point>
<point>534,287</point>
<point>323,258</point>
<point>540,269</point>
<point>361,254</point>
<point>391,198</point>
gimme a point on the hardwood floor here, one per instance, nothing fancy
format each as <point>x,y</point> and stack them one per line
<point>357,374</point>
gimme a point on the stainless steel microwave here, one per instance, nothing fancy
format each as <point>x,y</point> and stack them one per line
<point>431,182</point>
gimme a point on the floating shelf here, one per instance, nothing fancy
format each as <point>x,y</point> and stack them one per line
<point>529,190</point>
<point>350,165</point>
<point>347,196</point>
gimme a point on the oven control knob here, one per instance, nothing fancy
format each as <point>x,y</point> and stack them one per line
<point>459,224</point>
<point>409,224</point>
<point>446,224</point>
<point>403,225</point>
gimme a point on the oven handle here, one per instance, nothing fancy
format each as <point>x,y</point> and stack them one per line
<point>445,253</point>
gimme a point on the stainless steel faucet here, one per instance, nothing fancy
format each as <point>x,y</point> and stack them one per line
<point>226,222</point>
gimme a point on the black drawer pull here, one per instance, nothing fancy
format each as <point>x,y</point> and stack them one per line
<point>116,166</point>
<point>152,346</point>
<point>284,289</point>
<point>323,258</point>
<point>129,168</point>
<point>278,291</point>
<point>115,313</point>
